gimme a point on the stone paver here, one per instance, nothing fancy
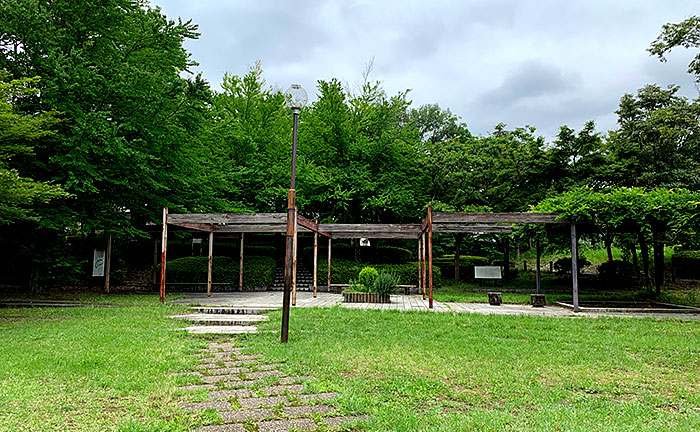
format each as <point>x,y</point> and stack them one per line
<point>259,402</point>
<point>281,389</point>
<point>193,406</point>
<point>245,415</point>
<point>220,329</point>
<point>285,425</point>
<point>227,371</point>
<point>262,374</point>
<point>226,394</point>
<point>223,428</point>
<point>302,410</point>
<point>317,396</point>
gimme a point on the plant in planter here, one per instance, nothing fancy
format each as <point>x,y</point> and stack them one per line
<point>367,276</point>
<point>382,285</point>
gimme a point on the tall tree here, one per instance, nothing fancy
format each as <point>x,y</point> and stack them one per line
<point>685,34</point>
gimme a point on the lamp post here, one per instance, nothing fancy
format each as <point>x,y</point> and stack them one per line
<point>295,99</point>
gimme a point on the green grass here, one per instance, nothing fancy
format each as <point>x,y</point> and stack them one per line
<point>456,372</point>
<point>94,369</point>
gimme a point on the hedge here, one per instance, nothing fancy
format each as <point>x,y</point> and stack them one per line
<point>233,250</point>
<point>466,265</point>
<point>343,271</point>
<point>257,271</point>
<point>686,264</point>
<point>619,272</point>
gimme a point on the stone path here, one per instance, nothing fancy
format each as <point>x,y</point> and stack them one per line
<point>223,320</point>
<point>248,394</point>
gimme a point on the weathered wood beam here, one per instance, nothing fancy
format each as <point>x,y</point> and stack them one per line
<point>194,226</point>
<point>210,262</point>
<point>315,261</point>
<point>550,218</point>
<point>310,225</point>
<point>475,229</point>
<point>164,248</point>
<point>334,229</point>
<point>374,235</point>
<point>254,228</point>
<point>228,218</point>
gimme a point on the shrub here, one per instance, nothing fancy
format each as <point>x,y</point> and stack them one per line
<point>385,283</point>
<point>257,271</point>
<point>687,264</point>
<point>466,265</point>
<point>562,266</point>
<point>345,270</point>
<point>367,276</point>
<point>355,286</point>
<point>394,255</point>
<point>616,271</point>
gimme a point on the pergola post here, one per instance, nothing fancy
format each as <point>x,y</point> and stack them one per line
<point>423,265</point>
<point>430,256</point>
<point>163,259</point>
<point>240,264</point>
<point>294,263</point>
<point>315,259</point>
<point>210,262</point>
<point>329,264</point>
<point>108,261</point>
<point>537,264</point>
<point>420,270</point>
<point>574,265</point>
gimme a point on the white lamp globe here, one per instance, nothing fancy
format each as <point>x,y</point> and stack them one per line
<point>295,98</point>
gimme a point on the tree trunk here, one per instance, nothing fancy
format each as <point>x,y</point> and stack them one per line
<point>356,247</point>
<point>517,252</point>
<point>608,247</point>
<point>644,250</point>
<point>658,261</point>
<point>635,261</point>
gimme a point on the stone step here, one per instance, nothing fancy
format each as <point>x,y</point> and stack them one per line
<point>220,329</point>
<point>222,319</point>
<point>231,310</point>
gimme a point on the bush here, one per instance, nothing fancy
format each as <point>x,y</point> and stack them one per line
<point>562,266</point>
<point>355,286</point>
<point>257,271</point>
<point>394,255</point>
<point>367,276</point>
<point>385,283</point>
<point>687,264</point>
<point>616,271</point>
<point>345,270</point>
<point>466,265</point>
<point>260,251</point>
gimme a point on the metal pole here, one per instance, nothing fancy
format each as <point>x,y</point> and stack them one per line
<point>163,249</point>
<point>574,264</point>
<point>289,248</point>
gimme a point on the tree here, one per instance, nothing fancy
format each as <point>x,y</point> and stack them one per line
<point>685,34</point>
<point>578,159</point>
<point>18,133</point>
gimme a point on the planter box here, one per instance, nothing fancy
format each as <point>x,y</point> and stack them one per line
<point>352,297</point>
<point>537,300</point>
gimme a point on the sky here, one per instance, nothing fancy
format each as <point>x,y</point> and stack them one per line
<point>523,63</point>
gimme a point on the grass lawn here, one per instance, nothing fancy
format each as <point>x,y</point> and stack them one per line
<point>93,369</point>
<point>112,369</point>
<point>438,371</point>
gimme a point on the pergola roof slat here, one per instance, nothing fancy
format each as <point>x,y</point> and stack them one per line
<point>465,218</point>
<point>229,218</point>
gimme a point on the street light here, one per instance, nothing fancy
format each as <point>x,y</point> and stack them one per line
<point>295,98</point>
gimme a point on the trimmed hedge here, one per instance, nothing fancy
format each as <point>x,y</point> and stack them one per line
<point>343,271</point>
<point>686,264</point>
<point>394,255</point>
<point>616,272</point>
<point>466,265</point>
<point>257,271</point>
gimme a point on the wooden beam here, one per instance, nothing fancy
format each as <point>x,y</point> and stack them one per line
<point>253,228</point>
<point>240,264</point>
<point>423,265</point>
<point>315,260</point>
<point>229,218</point>
<point>310,225</point>
<point>164,247</point>
<point>370,228</point>
<point>210,262</point>
<point>550,218</point>
<point>574,265</point>
<point>537,265</point>
<point>475,229</point>
<point>374,235</point>
<point>194,226</point>
<point>430,256</point>
<point>423,225</point>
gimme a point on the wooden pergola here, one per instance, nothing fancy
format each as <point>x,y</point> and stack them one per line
<point>434,222</point>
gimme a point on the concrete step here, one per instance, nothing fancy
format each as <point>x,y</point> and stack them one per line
<point>220,329</point>
<point>222,319</point>
<point>231,310</point>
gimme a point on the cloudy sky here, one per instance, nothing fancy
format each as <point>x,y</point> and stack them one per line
<point>539,63</point>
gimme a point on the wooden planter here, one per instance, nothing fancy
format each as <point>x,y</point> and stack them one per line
<point>353,297</point>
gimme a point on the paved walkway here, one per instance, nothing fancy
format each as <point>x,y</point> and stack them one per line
<point>273,299</point>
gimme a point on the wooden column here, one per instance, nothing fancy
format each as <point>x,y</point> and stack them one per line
<point>163,249</point>
<point>155,261</point>
<point>108,261</point>
<point>425,267</point>
<point>315,259</point>
<point>506,260</point>
<point>210,262</point>
<point>294,263</point>
<point>430,256</point>
<point>574,265</point>
<point>240,264</point>
<point>537,264</point>
<point>329,264</point>
<point>420,269</point>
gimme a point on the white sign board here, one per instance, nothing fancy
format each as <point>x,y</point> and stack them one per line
<point>98,262</point>
<point>487,272</point>
<point>364,242</point>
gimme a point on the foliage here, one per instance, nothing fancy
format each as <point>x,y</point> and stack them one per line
<point>394,255</point>
<point>686,263</point>
<point>257,271</point>
<point>562,266</point>
<point>367,276</point>
<point>355,286</point>
<point>685,34</point>
<point>466,265</point>
<point>621,272</point>
<point>345,270</point>
<point>385,283</point>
